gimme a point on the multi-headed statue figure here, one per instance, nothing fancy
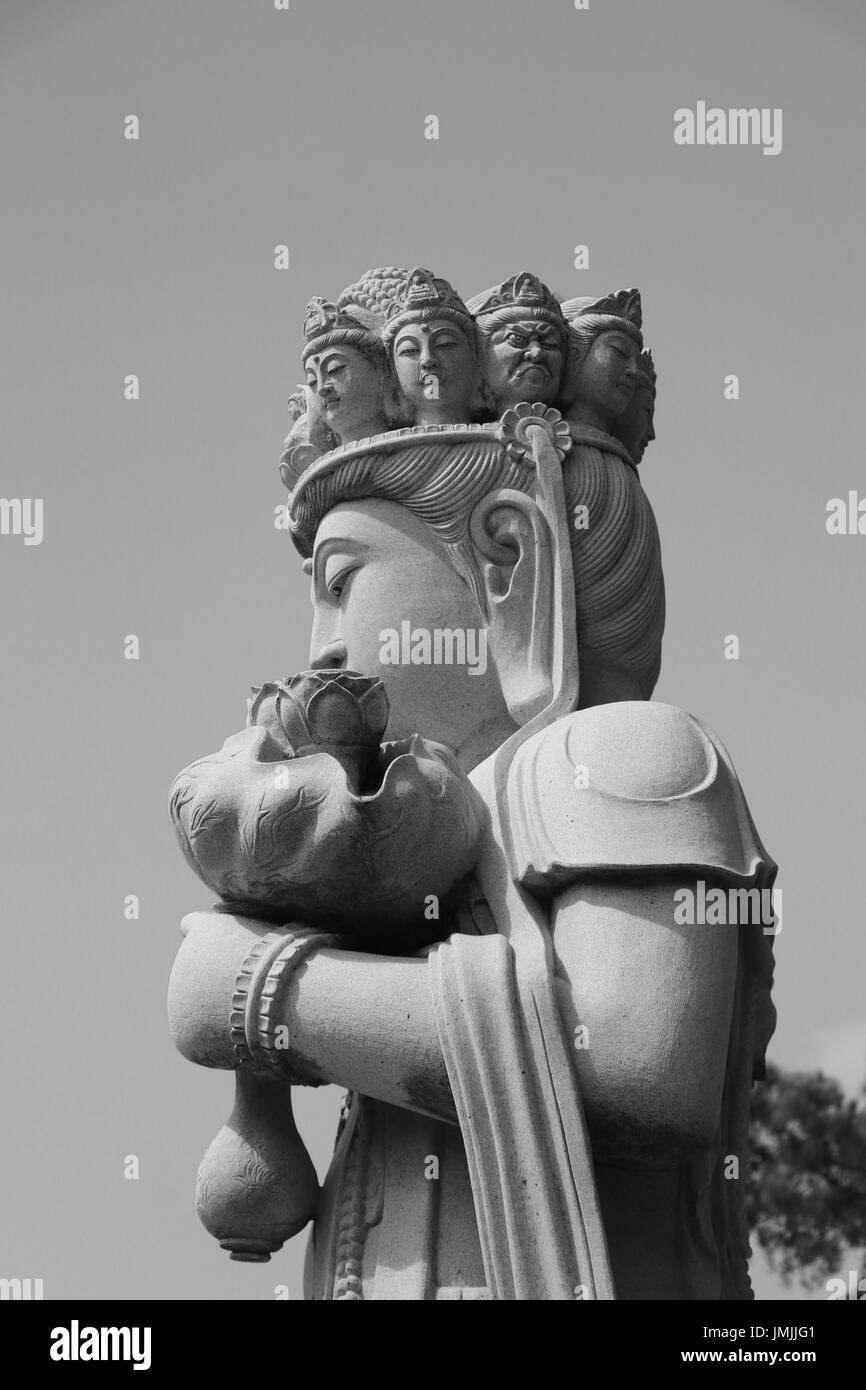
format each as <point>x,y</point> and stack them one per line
<point>453,887</point>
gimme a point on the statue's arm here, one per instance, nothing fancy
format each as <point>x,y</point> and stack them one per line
<point>657,807</point>
<point>360,1021</point>
<point>648,1006</point>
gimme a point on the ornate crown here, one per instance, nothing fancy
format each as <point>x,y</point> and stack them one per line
<point>523,291</point>
<point>326,325</point>
<point>625,304</point>
<point>424,294</point>
<point>321,316</point>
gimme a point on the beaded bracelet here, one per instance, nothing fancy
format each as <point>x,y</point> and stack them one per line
<point>260,989</point>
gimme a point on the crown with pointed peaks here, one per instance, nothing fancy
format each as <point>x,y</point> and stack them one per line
<point>520,292</point>
<point>325,326</point>
<point>625,304</point>
<point>321,316</point>
<point>425,295</point>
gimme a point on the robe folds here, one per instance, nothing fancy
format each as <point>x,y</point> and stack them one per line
<point>663,800</point>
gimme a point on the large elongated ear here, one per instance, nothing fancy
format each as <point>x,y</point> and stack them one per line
<point>516,558</point>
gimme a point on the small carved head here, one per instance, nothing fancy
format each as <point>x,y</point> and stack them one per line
<point>431,337</point>
<point>524,337</point>
<point>605,339</point>
<point>348,377</point>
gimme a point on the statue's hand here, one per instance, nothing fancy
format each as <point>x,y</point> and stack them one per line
<point>359,839</point>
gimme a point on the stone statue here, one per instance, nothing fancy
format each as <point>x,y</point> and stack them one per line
<point>308,437</point>
<point>347,370</point>
<point>523,336</point>
<point>450,884</point>
<point>635,426</point>
<point>602,372</point>
<point>432,340</point>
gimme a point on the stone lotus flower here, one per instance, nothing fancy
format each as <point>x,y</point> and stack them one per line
<point>306,817</point>
<point>328,711</point>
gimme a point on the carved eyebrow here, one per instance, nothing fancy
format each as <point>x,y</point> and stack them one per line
<point>335,544</point>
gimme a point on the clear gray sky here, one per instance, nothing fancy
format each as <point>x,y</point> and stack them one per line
<point>155,257</point>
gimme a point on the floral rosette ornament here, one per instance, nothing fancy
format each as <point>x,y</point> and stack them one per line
<point>517,424</point>
<point>328,711</point>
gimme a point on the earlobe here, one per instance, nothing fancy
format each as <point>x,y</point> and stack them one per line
<point>515,553</point>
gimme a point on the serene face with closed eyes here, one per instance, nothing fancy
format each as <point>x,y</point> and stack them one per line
<point>603,381</point>
<point>347,390</point>
<point>377,567</point>
<point>436,370</point>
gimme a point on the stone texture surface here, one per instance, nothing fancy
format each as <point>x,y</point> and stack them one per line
<point>460,902</point>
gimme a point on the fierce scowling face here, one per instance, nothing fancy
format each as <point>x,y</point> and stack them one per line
<point>523,362</point>
<point>388,602</point>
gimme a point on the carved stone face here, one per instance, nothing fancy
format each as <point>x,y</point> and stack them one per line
<point>603,383</point>
<point>378,570</point>
<point>635,426</point>
<point>347,389</point>
<point>523,362</point>
<point>435,367</point>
